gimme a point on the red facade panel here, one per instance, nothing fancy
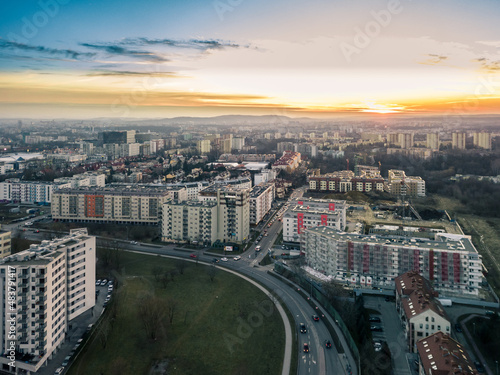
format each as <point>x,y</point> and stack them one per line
<point>416,264</point>
<point>350,255</point>
<point>431,264</point>
<point>300,222</point>
<point>444,266</point>
<point>456,267</point>
<point>324,220</point>
<point>366,258</point>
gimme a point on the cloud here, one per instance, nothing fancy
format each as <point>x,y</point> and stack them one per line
<point>200,44</point>
<point>116,49</point>
<point>120,73</point>
<point>488,64</point>
<point>434,59</point>
<point>490,43</point>
<point>66,53</point>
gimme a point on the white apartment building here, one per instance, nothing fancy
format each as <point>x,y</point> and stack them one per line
<point>399,183</point>
<point>49,284</point>
<point>29,191</point>
<point>204,146</point>
<point>432,141</point>
<point>193,221</point>
<point>264,176</point>
<point>458,140</point>
<point>114,203</point>
<point>233,211</point>
<point>192,188</point>
<point>451,262</point>
<point>261,202</point>
<point>420,311</point>
<point>482,140</point>
<point>308,213</point>
<point>5,243</point>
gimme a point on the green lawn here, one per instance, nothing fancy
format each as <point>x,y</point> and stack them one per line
<point>207,335</point>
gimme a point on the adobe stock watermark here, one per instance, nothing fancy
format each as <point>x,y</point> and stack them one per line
<point>364,36</point>
<point>222,7</point>
<point>487,86</point>
<point>124,104</point>
<point>254,320</point>
<point>38,20</point>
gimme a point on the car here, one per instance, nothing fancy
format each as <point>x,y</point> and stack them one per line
<point>315,318</point>
<point>66,361</point>
<point>376,328</point>
<point>59,370</point>
<point>374,319</point>
<point>489,313</point>
<point>224,259</point>
<point>328,344</point>
<point>215,260</point>
<point>257,248</point>
<point>134,242</point>
<point>237,257</point>
<point>458,328</point>
<point>98,283</point>
<point>37,231</point>
<point>104,282</point>
<point>306,348</point>
<point>110,288</point>
<point>377,345</point>
<point>194,256</point>
<point>479,367</point>
<point>97,292</point>
<point>303,328</point>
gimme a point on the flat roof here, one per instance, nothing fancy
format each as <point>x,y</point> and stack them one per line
<point>463,244</point>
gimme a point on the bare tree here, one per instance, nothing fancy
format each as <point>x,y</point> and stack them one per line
<point>152,312</point>
<point>172,307</point>
<point>172,273</point>
<point>165,279</point>
<point>157,272</point>
<point>212,271</point>
<point>181,265</point>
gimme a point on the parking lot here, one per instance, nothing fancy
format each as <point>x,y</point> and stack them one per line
<point>389,329</point>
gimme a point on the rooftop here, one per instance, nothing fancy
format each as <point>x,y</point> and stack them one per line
<point>442,355</point>
<point>461,245</point>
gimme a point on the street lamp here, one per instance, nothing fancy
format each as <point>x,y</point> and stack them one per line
<point>496,364</point>
<point>474,324</point>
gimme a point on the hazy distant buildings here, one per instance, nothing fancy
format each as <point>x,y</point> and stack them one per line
<point>119,137</point>
<point>405,140</point>
<point>432,141</point>
<point>458,140</point>
<point>204,146</point>
<point>482,140</point>
<point>288,162</point>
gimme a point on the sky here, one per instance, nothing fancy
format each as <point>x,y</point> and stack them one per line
<point>316,58</point>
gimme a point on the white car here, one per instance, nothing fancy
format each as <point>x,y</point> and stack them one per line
<point>237,257</point>
<point>59,371</point>
<point>223,259</point>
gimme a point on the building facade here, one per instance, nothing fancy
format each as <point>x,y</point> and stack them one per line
<point>5,243</point>
<point>115,203</point>
<point>458,140</point>
<point>345,181</point>
<point>54,282</point>
<point>29,191</point>
<point>261,202</point>
<point>308,213</point>
<point>400,184</point>
<point>451,262</point>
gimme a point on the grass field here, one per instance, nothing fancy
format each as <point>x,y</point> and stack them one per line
<point>224,326</point>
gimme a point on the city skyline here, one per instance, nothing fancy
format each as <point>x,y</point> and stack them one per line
<point>69,59</point>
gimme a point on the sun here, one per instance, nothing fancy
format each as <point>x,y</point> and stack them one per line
<point>373,107</point>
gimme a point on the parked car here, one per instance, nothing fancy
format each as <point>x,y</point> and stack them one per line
<point>374,319</point>
<point>59,370</point>
<point>376,328</point>
<point>479,367</point>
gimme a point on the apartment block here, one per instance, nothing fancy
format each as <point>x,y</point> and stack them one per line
<point>49,285</point>
<point>440,354</point>
<point>233,211</point>
<point>261,202</point>
<point>288,162</point>
<point>204,146</point>
<point>400,184</point>
<point>115,203</point>
<point>420,311</point>
<point>193,221</point>
<point>29,191</point>
<point>451,262</point>
<point>458,140</point>
<point>344,181</point>
<point>405,140</point>
<point>432,141</point>
<point>482,140</point>
<point>310,213</point>
<point>5,243</point>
